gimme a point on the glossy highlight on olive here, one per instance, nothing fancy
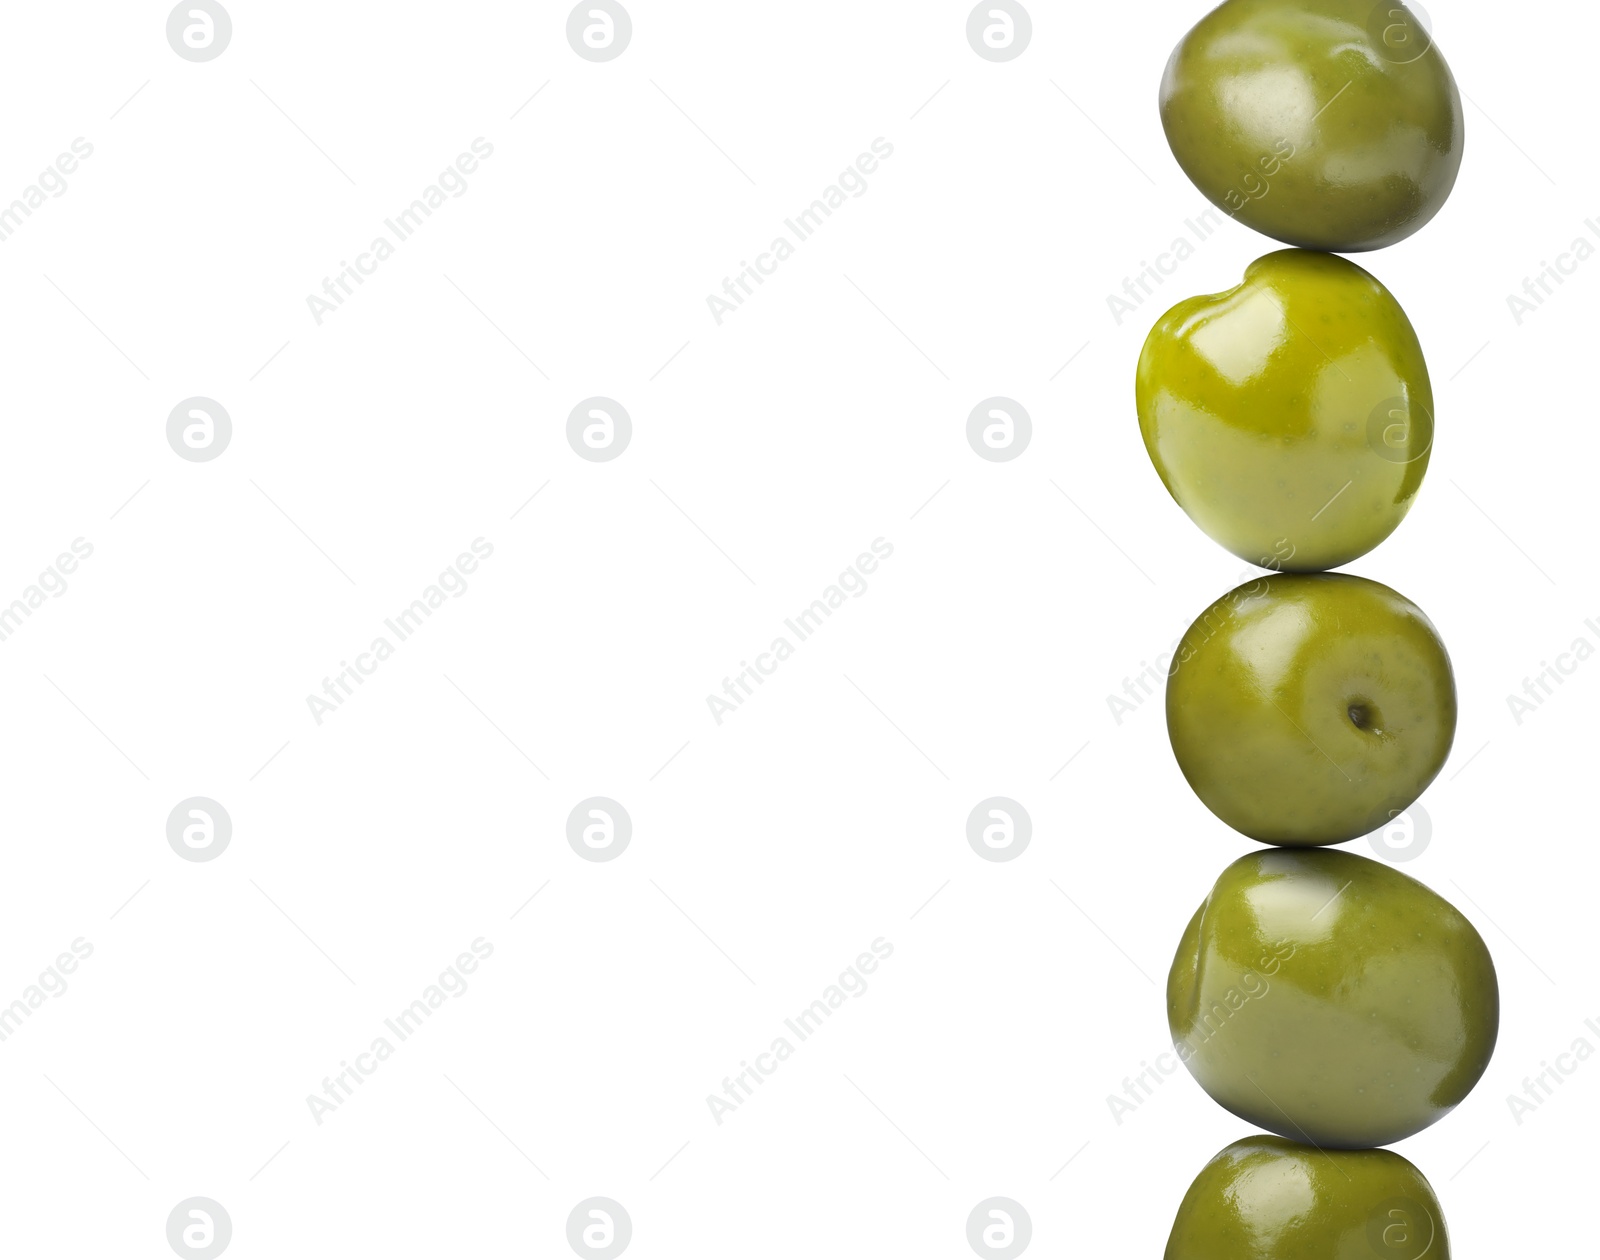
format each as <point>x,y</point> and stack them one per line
<point>1266,1198</point>
<point>1330,999</point>
<point>1292,416</point>
<point>1330,124</point>
<point>1310,708</point>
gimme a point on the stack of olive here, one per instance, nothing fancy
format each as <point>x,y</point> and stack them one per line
<point>1317,994</point>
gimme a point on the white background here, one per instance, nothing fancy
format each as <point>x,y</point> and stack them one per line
<point>770,850</point>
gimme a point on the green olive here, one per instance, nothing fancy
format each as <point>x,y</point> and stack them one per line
<point>1267,1199</point>
<point>1291,417</point>
<point>1332,124</point>
<point>1331,999</point>
<point>1310,708</point>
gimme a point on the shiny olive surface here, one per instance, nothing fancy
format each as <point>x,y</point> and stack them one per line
<point>1268,1199</point>
<point>1332,124</point>
<point>1291,417</point>
<point>1331,999</point>
<point>1310,708</point>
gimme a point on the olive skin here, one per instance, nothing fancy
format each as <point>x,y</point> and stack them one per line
<point>1330,999</point>
<point>1331,124</point>
<point>1268,1199</point>
<point>1310,708</point>
<point>1291,417</point>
